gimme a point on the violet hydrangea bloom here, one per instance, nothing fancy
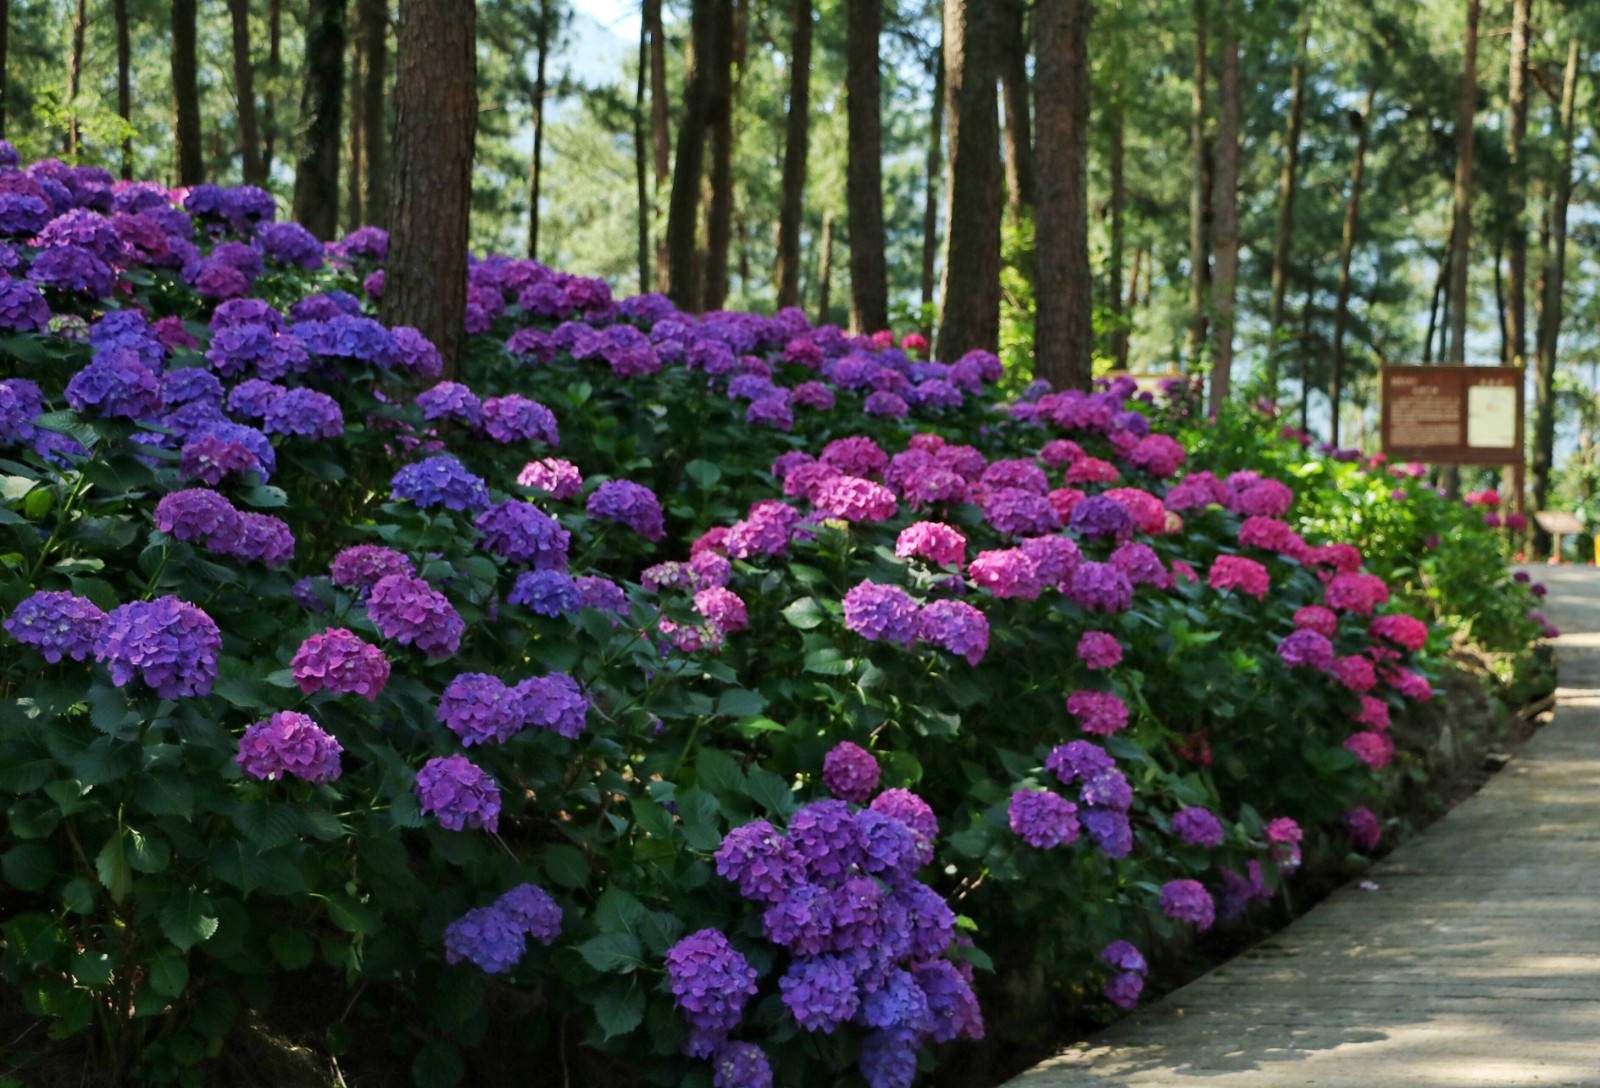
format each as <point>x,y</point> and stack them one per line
<point>532,908</point>
<point>522,533</point>
<point>1198,827</point>
<point>710,980</point>
<point>440,481</point>
<point>289,743</point>
<point>955,626</point>
<point>57,624</point>
<point>361,566</point>
<point>1100,712</point>
<point>1188,901</point>
<point>453,401</point>
<point>1365,830</point>
<point>820,992</point>
<point>199,514</point>
<point>1098,516</point>
<point>21,402</point>
<point>305,413</point>
<point>881,612</point>
<point>413,613</point>
<point>760,861</point>
<point>116,383</point>
<point>515,418</point>
<point>1042,819</point>
<point>630,504</point>
<point>22,307</point>
<point>290,243</point>
<point>741,1065</point>
<point>460,793</point>
<point>850,772</point>
<point>339,661</point>
<point>265,539</point>
<point>554,702</point>
<point>1306,649</point>
<point>488,937</point>
<point>169,643</point>
<point>915,813</point>
<point>1098,650</point>
<point>1100,587</point>
<point>478,708</point>
<point>560,478</point>
<point>722,607</point>
<point>547,592</point>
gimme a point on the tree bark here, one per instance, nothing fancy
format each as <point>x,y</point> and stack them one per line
<point>1119,206</point>
<point>660,137</point>
<point>1500,301</point>
<point>374,16</point>
<point>1517,276</point>
<point>932,189</point>
<point>1554,281</point>
<point>1063,331</point>
<point>80,23</point>
<point>1433,306</point>
<point>1465,120</point>
<point>869,287</point>
<point>244,85</point>
<point>641,158</point>
<point>719,206</point>
<point>1014,85</point>
<point>536,163</point>
<point>1199,203</point>
<point>119,14</point>
<point>1288,190</point>
<point>682,283</point>
<point>186,94</point>
<point>316,175</point>
<point>269,102</point>
<point>796,139</point>
<point>1352,213</point>
<point>354,164</point>
<point>436,120</point>
<point>824,268</point>
<point>971,281</point>
<point>1225,214</point>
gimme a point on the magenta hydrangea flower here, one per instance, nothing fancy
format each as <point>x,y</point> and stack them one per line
<point>1198,827</point>
<point>881,612</point>
<point>850,772</point>
<point>1012,511</point>
<point>1008,572</point>
<point>1237,572</point>
<point>1100,712</point>
<point>337,660</point>
<point>460,793</point>
<point>1098,650</point>
<point>413,613</point>
<point>1316,618</point>
<point>360,567</point>
<point>1055,557</point>
<point>938,543</point>
<point>630,504</point>
<point>289,743</point>
<point>1188,901</point>
<point>1365,830</point>
<point>1264,498</point>
<point>711,981</point>
<point>1043,819</point>
<point>1358,593</point>
<point>1355,673</point>
<point>852,498</point>
<point>1283,842</point>
<point>1306,649</point>
<point>168,643</point>
<point>1400,629</point>
<point>1158,454</point>
<point>955,626</point>
<point>722,607</point>
<point>561,479</point>
<point>1374,713</point>
<point>57,624</point>
<point>764,531</point>
<point>1373,749</point>
<point>1141,566</point>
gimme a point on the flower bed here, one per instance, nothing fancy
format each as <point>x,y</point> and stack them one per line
<point>734,693</point>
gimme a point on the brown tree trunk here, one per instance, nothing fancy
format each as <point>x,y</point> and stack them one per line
<point>1438,291</point>
<point>1199,202</point>
<point>1014,84</point>
<point>971,281</point>
<point>1306,314</point>
<point>1352,212</point>
<point>316,175</point>
<point>536,163</point>
<point>932,189</point>
<point>795,145</point>
<point>660,137</point>
<point>1465,120</point>
<point>436,120</point>
<point>824,268</point>
<point>244,85</point>
<point>1225,214</point>
<point>682,283</point>
<point>119,14</point>
<point>1063,331</point>
<point>1288,189</point>
<point>375,130</point>
<point>1500,301</point>
<point>186,94</point>
<point>719,205</point>
<point>641,159</point>
<point>1119,206</point>
<point>1133,281</point>
<point>269,102</point>
<point>355,154</point>
<point>869,287</point>
<point>1516,350</point>
<point>1554,281</point>
<point>80,23</point>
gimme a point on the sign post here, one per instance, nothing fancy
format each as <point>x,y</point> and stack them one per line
<point>1454,415</point>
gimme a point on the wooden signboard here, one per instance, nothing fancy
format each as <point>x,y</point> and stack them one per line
<point>1452,415</point>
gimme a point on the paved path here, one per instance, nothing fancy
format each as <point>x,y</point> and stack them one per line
<point>1476,963</point>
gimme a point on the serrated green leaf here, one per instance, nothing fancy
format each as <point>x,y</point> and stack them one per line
<point>741,703</point>
<point>771,792</point>
<point>719,772</point>
<point>29,866</point>
<point>618,953</point>
<point>566,865</point>
<point>291,948</point>
<point>805,613</point>
<point>111,866</point>
<point>188,919</point>
<point>168,974</point>
<point>704,473</point>
<point>618,1011</point>
<point>91,968</point>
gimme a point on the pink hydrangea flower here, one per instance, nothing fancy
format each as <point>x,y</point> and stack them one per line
<point>938,543</point>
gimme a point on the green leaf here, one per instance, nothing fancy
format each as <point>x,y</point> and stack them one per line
<point>719,772</point>
<point>241,865</point>
<point>165,794</point>
<point>111,866</point>
<point>291,948</point>
<point>619,1011</point>
<point>265,498</point>
<point>438,1065</point>
<point>750,728</point>
<point>169,974</point>
<point>654,819</point>
<point>91,968</point>
<point>704,473</point>
<point>13,488</point>
<point>805,613</point>
<point>352,916</point>
<point>28,867</point>
<point>741,703</point>
<point>619,953</point>
<point>771,792</point>
<point>38,504</point>
<point>566,865</point>
<point>188,918</point>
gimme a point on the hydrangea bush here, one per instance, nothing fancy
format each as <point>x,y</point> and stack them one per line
<point>737,694</point>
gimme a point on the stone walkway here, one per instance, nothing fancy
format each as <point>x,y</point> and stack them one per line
<point>1475,963</point>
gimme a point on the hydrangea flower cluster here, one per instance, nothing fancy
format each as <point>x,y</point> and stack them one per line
<point>413,613</point>
<point>339,661</point>
<point>1127,983</point>
<point>57,624</point>
<point>168,643</point>
<point>495,937</point>
<point>851,773</point>
<point>440,481</point>
<point>1188,901</point>
<point>1098,650</point>
<point>460,793</point>
<point>289,743</point>
<point>630,504</point>
<point>1043,819</point>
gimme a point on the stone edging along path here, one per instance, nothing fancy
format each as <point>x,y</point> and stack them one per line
<point>1474,962</point>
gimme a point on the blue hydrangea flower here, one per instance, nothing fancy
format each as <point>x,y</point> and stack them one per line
<point>440,481</point>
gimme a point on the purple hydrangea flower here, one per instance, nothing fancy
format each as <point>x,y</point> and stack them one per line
<point>57,624</point>
<point>211,458</point>
<point>1108,829</point>
<point>289,743</point>
<point>955,626</point>
<point>515,418</point>
<point>851,773</point>
<point>898,1002</point>
<point>1078,759</point>
<point>1013,511</point>
<point>488,937</point>
<point>602,594</point>
<point>290,243</point>
<point>741,1065</point>
<point>338,660</point>
<point>22,307</point>
<point>1198,827</point>
<point>631,504</point>
<point>1101,712</point>
<point>460,793</point>
<point>1097,516</point>
<point>168,643</point>
<point>478,708</point>
<point>1100,587</point>
<point>411,351</point>
<point>413,613</point>
<point>852,498</point>
<point>723,607</point>
<point>1188,901</point>
<point>883,403</point>
<point>1307,648</point>
<point>531,907</point>
<point>1098,650</point>
<point>889,848</point>
<point>760,860</point>
<point>881,612</point>
<point>820,992</point>
<point>440,481</point>
<point>951,1001</point>
<point>202,515</point>
<point>1043,819</point>
<point>1007,572</point>
<point>451,400</point>
<point>264,538</point>
<point>304,412</point>
<point>116,383</point>
<point>547,592</point>
<point>360,567</point>
<point>553,702</point>
<point>73,269</point>
<point>1123,989</point>
<point>21,402</point>
<point>915,813</point>
<point>711,980</point>
<point>522,533</point>
<point>1124,957</point>
<point>823,834</point>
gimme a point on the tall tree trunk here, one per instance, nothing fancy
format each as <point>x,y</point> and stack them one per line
<point>1554,281</point>
<point>316,175</point>
<point>1306,314</point>
<point>269,103</point>
<point>436,120</point>
<point>1119,206</point>
<point>374,16</point>
<point>1225,214</point>
<point>119,14</point>
<point>1199,202</point>
<point>1133,282</point>
<point>1014,84</point>
<point>1063,332</point>
<point>80,23</point>
<point>1352,213</point>
<point>244,85</point>
<point>824,268</point>
<point>932,188</point>
<point>1465,120</point>
<point>1517,282</point>
<point>682,282</point>
<point>1433,306</point>
<point>186,94</point>
<point>1288,189</point>
<point>971,281</point>
<point>355,154</point>
<point>796,139</point>
<point>641,158</point>
<point>1500,302</point>
<point>869,287</point>
<point>5,60</point>
<point>660,138</point>
<point>719,205</point>
<point>536,163</point>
